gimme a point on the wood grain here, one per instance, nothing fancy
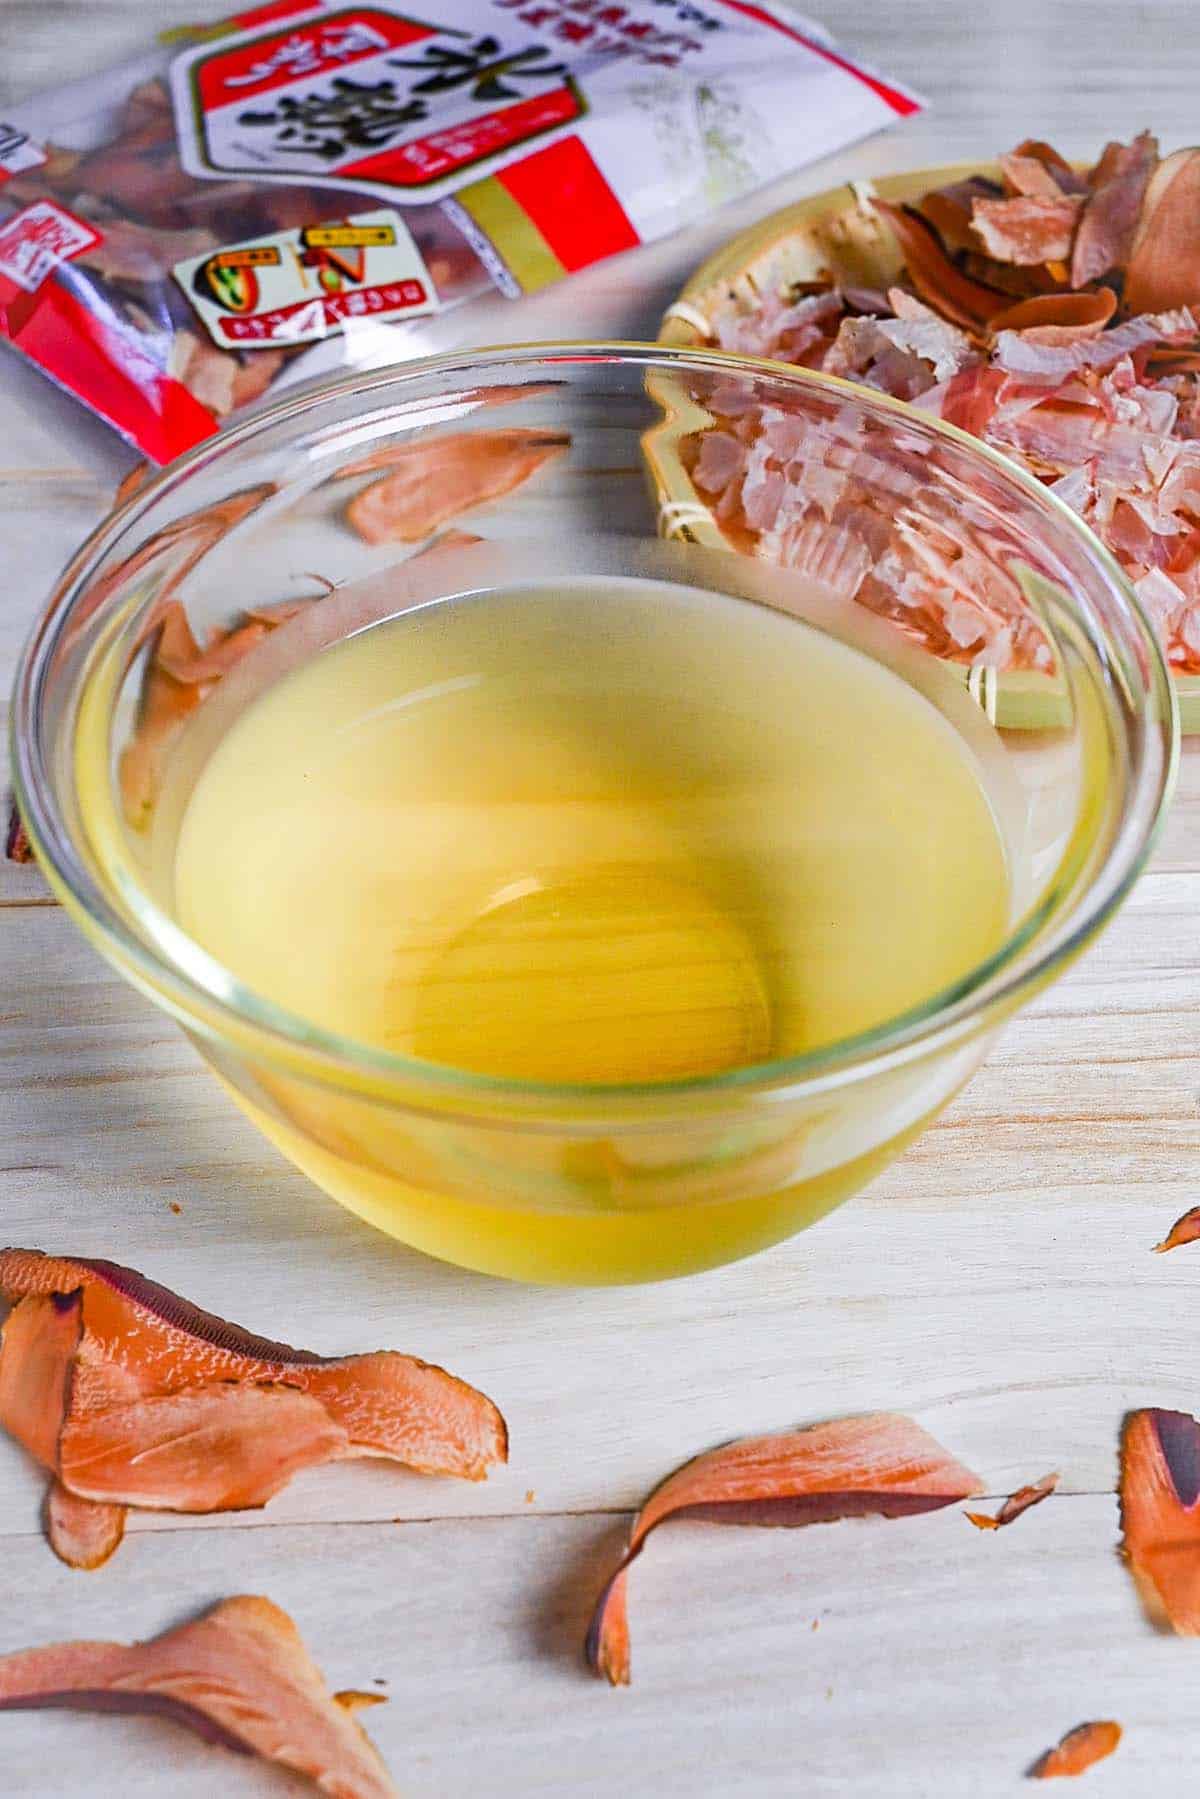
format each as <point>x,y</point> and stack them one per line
<point>935,1666</point>
<point>998,1282</point>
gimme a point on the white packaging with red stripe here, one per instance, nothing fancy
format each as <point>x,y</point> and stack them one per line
<point>281,194</point>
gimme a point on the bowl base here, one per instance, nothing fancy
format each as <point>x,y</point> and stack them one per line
<point>577,1247</point>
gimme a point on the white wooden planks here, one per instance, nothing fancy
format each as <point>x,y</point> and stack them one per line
<point>998,1282</point>
<point>942,1662</point>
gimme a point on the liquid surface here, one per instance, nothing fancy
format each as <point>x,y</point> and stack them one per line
<point>628,832</point>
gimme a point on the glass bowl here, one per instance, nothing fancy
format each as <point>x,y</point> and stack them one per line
<point>596,1182</point>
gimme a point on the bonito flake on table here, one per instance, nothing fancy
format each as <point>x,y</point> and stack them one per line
<point>130,1395</point>
<point>240,1676</point>
<point>1051,313</point>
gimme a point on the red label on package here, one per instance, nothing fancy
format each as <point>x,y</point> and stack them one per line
<point>427,159</point>
<point>36,240</point>
<point>298,52</point>
<point>372,98</point>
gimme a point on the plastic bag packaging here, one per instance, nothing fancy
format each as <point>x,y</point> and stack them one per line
<point>311,187</point>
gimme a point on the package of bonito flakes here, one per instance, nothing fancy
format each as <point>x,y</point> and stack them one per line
<point>308,187</point>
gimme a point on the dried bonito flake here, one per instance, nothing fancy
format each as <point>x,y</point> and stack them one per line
<point>935,275</point>
<point>1028,228</point>
<point>130,1395</point>
<point>240,1677</point>
<point>1076,298</point>
<point>168,556</point>
<point>435,479</point>
<point>1117,190</point>
<point>1164,261</point>
<point>353,1699</point>
<point>1160,1514</point>
<point>1015,1504</point>
<point>1078,1750</point>
<point>179,676</point>
<point>180,673</point>
<point>164,707</point>
<point>17,846</point>
<point>129,483</point>
<point>1079,314</point>
<point>1184,1230</point>
<point>841,501</point>
<point>881,1464</point>
<point>84,1533</point>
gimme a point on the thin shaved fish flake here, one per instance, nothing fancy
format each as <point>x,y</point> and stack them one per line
<point>1110,214</point>
<point>1029,228</point>
<point>432,480</point>
<point>1160,1514</point>
<point>1164,261</point>
<point>1020,354</point>
<point>84,1533</point>
<point>17,846</point>
<point>239,1677</point>
<point>131,1396</point>
<point>1057,317</point>
<point>1079,1750</point>
<point>1186,1229</point>
<point>1023,1500</point>
<point>880,1464</point>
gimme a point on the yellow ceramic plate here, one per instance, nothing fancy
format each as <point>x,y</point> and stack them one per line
<point>837,233</point>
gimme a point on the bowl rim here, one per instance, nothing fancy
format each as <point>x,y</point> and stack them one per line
<point>232,1012</point>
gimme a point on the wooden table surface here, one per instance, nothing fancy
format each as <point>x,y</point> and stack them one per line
<point>997,1282</point>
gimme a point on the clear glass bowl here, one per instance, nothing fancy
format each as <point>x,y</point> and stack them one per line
<point>591,1183</point>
